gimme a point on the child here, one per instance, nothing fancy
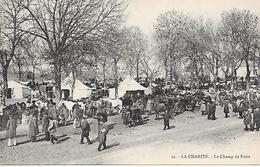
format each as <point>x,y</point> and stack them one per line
<point>11,131</point>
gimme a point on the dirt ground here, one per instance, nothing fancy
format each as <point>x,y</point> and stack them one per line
<point>191,139</point>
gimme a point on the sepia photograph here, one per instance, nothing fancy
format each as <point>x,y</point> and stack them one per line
<point>129,82</point>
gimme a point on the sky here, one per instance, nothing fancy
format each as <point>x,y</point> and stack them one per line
<point>143,13</point>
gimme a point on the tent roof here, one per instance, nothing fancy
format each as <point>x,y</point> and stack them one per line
<point>129,84</point>
<point>67,83</point>
<point>14,84</point>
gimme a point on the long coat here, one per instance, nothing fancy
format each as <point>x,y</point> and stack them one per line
<point>257,116</point>
<point>45,123</point>
<point>226,107</point>
<point>248,118</point>
<point>203,106</point>
<point>102,133</point>
<point>53,112</point>
<point>33,126</point>
<point>166,119</point>
<point>85,127</point>
<point>11,128</point>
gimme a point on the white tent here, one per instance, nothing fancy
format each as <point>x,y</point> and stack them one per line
<point>129,84</point>
<point>17,90</point>
<point>80,89</point>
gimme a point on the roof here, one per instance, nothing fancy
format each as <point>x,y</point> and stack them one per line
<point>67,83</point>
<point>14,84</point>
<point>129,84</point>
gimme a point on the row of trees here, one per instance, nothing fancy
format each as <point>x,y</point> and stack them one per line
<point>80,35</point>
<point>201,45</point>
<point>71,36</point>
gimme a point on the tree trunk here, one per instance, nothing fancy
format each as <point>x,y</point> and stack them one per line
<point>202,73</point>
<point>166,72</point>
<point>171,77</point>
<point>57,78</point>
<point>73,83</point>
<point>192,81</point>
<point>235,79</point>
<point>33,75</point>
<point>258,66</point>
<point>247,74</point>
<point>137,71</point>
<point>104,75</point>
<point>19,72</point>
<point>116,79</point>
<point>5,86</point>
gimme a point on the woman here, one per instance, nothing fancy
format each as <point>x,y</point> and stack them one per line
<point>248,120</point>
<point>33,127</point>
<point>203,107</point>
<point>11,131</point>
<point>102,135</point>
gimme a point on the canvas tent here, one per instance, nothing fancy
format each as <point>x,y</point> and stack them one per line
<point>80,89</point>
<point>129,84</point>
<point>17,90</point>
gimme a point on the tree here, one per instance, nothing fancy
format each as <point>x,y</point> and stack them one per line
<point>78,55</point>
<point>13,18</point>
<point>230,32</point>
<point>249,39</point>
<point>19,63</point>
<point>136,49</point>
<point>150,65</point>
<point>168,35</point>
<point>116,45</point>
<point>33,54</point>
<point>60,23</point>
<point>104,61</point>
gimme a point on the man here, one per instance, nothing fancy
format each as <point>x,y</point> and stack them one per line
<point>85,129</point>
<point>240,110</point>
<point>226,108</point>
<point>166,120</point>
<point>45,125</point>
<point>65,113</point>
<point>211,110</point>
<point>257,118</point>
<point>102,135</point>
<point>33,127</point>
<point>248,120</point>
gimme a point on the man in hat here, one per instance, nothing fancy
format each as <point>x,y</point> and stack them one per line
<point>257,118</point>
<point>102,135</point>
<point>85,129</point>
<point>226,108</point>
<point>33,127</point>
<point>166,120</point>
<point>45,124</point>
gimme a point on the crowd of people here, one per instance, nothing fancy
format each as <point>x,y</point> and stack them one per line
<point>135,109</point>
<point>49,116</point>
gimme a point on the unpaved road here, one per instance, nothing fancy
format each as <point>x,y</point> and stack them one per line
<point>221,141</point>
